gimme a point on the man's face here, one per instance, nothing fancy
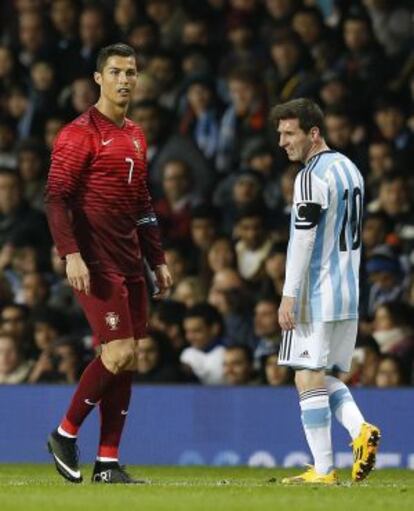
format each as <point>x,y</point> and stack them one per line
<point>150,122</point>
<point>63,15</point>
<point>380,158</point>
<point>34,289</point>
<point>31,33</point>
<point>91,29</point>
<point>118,79</point>
<point>148,355</point>
<point>250,230</point>
<point>393,197</point>
<point>162,69</point>
<point>10,194</point>
<point>30,165</point>
<point>9,357</point>
<point>356,34</point>
<point>294,140</point>
<point>203,232</point>
<point>236,367</point>
<point>390,122</point>
<point>266,322</point>
<point>373,232</point>
<point>83,94</point>
<point>339,131</point>
<point>242,95</point>
<point>175,182</point>
<point>13,322</point>
<point>198,333</point>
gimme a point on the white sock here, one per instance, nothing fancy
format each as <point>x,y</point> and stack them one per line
<point>105,459</point>
<point>316,420</point>
<point>62,432</point>
<point>343,406</point>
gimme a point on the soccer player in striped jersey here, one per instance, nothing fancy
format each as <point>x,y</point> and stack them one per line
<point>103,224</point>
<point>319,309</point>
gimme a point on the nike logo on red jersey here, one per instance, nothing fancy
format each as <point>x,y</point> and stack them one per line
<point>106,142</point>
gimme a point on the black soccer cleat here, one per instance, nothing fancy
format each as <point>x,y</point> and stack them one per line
<point>65,453</point>
<point>113,473</point>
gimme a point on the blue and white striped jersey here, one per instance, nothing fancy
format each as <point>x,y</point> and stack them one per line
<point>322,269</point>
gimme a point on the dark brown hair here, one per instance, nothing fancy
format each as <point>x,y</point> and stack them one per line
<point>118,49</point>
<point>308,113</point>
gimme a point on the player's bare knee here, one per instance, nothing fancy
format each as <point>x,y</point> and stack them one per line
<point>118,355</point>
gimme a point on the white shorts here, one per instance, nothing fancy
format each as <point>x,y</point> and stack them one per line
<point>324,345</point>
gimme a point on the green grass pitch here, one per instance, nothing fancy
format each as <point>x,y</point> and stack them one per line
<point>38,487</point>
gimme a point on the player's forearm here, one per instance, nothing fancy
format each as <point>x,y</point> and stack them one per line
<point>60,224</point>
<point>300,253</point>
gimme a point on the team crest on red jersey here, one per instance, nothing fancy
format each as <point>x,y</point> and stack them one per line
<point>112,320</point>
<point>138,146</point>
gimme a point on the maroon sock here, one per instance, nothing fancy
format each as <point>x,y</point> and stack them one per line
<point>114,408</point>
<point>94,382</point>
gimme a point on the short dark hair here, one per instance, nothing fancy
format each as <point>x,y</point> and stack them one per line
<point>119,49</point>
<point>208,313</point>
<point>308,113</point>
<point>247,351</point>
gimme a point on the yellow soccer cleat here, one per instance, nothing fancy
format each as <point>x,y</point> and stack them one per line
<point>365,448</point>
<point>311,477</point>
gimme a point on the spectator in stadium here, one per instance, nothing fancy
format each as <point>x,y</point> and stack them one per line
<point>390,372</point>
<point>229,294</point>
<point>35,290</point>
<point>69,359</point>
<point>221,255</point>
<point>14,321</point>
<point>380,163</point>
<point>9,72</point>
<point>144,38</point>
<point>168,317</point>
<point>390,121</point>
<point>8,158</point>
<point>203,328</point>
<point>244,117</point>
<point>52,127</point>
<point>272,283</point>
<point>83,95</point>
<point>375,230</point>
<point>200,117</point>
<point>394,330</point>
<point>174,208</point>
<point>32,39</point>
<point>31,160</point>
<point>333,91</point>
<point>14,368</point>
<point>157,362</point>
<point>238,365</point>
<point>18,220</point>
<point>190,291</point>
<point>273,374</point>
<point>170,18</point>
<point>126,14</point>
<point>395,200</point>
<point>204,229</point>
<point>161,66</point>
<point>48,326</point>
<point>178,264</point>
<point>290,74</point>
<point>266,328</point>
<point>236,193</point>
<point>386,278</point>
<point>253,245</point>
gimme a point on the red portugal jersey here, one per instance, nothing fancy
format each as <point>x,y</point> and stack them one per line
<point>97,199</point>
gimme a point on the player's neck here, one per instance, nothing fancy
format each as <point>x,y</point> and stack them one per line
<point>114,113</point>
<point>316,149</point>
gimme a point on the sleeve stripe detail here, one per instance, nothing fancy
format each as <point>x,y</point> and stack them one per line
<point>306,181</point>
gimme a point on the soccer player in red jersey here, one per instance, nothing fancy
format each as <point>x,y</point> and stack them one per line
<point>102,221</point>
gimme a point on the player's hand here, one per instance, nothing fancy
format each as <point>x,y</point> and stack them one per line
<point>286,313</point>
<point>78,273</point>
<point>163,280</point>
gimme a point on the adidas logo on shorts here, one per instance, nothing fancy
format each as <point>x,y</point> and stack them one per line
<point>305,354</point>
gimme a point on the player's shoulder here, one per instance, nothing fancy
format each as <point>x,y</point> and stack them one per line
<point>320,164</point>
<point>135,130</point>
<point>80,126</point>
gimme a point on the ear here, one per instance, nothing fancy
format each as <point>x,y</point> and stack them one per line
<point>314,133</point>
<point>97,77</point>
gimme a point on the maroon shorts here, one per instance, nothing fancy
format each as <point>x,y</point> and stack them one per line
<point>116,307</point>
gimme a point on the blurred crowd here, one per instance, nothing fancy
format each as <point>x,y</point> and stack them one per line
<point>210,70</point>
